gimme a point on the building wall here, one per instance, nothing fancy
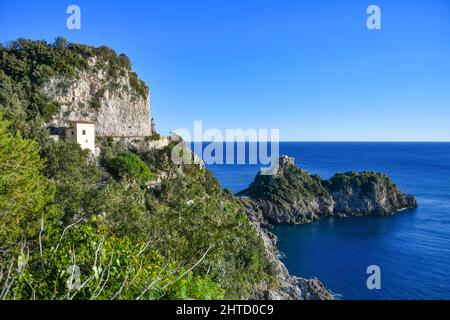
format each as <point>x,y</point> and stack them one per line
<point>70,134</point>
<point>85,136</point>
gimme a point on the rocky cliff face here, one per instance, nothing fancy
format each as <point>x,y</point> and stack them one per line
<point>292,196</point>
<point>109,101</point>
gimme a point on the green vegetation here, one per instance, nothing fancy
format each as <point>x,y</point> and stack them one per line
<point>291,186</point>
<point>26,65</point>
<point>103,231</point>
<point>25,194</point>
<point>366,181</point>
<point>75,178</point>
<point>130,165</point>
<point>348,193</point>
<point>180,236</point>
<point>153,137</point>
<point>109,268</point>
<point>204,217</point>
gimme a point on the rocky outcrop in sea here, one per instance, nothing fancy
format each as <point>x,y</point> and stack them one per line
<point>293,196</point>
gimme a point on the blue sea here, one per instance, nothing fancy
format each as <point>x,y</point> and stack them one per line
<point>411,248</point>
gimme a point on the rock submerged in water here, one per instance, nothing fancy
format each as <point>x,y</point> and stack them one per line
<point>293,196</point>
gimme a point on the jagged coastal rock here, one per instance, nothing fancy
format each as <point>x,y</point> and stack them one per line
<point>293,196</point>
<point>112,102</point>
<point>289,287</point>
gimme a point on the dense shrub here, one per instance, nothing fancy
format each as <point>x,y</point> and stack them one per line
<point>365,181</point>
<point>291,186</point>
<point>39,250</point>
<point>130,165</point>
<point>87,264</point>
<point>203,217</point>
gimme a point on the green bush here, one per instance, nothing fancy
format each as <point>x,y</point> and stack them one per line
<point>130,165</point>
<point>291,186</point>
<point>26,196</point>
<point>109,268</point>
<point>192,213</point>
<point>109,244</point>
<point>366,181</point>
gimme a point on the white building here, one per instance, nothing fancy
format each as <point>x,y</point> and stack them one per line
<point>83,133</point>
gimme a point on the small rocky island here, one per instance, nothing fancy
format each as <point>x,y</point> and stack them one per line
<point>293,196</point>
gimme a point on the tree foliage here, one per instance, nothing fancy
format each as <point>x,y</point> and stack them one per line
<point>86,264</point>
<point>366,181</point>
<point>75,177</point>
<point>25,193</point>
<point>202,214</point>
<point>108,244</point>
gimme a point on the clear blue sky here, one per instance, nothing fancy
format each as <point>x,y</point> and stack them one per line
<point>310,68</point>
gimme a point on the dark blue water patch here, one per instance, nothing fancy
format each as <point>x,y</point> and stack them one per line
<point>411,248</point>
<point>338,251</point>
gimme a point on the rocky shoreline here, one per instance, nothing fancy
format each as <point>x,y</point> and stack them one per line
<point>289,287</point>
